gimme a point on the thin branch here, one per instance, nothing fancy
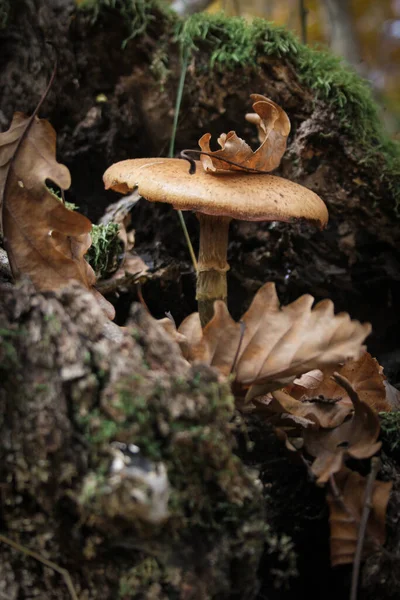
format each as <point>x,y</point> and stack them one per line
<point>354,517</point>
<point>192,162</point>
<point>303,20</point>
<point>375,466</point>
<point>346,385</point>
<point>63,572</point>
<point>242,331</point>
<point>184,66</point>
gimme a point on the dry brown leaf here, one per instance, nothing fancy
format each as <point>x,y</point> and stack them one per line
<point>392,396</point>
<point>44,240</point>
<point>311,380</point>
<point>356,438</point>
<point>275,344</point>
<point>365,376</point>
<point>345,516</point>
<point>274,124</point>
<point>317,414</point>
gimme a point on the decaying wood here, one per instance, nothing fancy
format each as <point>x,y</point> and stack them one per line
<point>63,489</point>
<point>97,472</point>
<point>354,263</point>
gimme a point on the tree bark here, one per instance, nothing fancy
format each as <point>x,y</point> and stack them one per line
<point>68,391</point>
<point>342,34</point>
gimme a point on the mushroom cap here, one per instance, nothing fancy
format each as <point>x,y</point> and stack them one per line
<point>243,196</point>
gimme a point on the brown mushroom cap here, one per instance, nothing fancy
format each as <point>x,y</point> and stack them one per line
<point>243,196</point>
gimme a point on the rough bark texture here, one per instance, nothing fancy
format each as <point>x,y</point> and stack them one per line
<point>69,390</point>
<point>355,261</point>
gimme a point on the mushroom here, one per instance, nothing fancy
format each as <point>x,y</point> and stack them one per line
<point>216,200</point>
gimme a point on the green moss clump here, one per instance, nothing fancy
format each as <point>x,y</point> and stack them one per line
<point>5,7</point>
<point>8,353</point>
<point>390,432</point>
<point>183,422</point>
<point>160,583</point>
<point>233,42</point>
<point>56,192</point>
<point>103,254</point>
<point>137,14</point>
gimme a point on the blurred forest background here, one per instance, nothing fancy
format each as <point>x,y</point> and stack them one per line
<point>366,33</point>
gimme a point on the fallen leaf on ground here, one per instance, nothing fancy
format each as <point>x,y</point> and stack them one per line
<point>356,438</point>
<point>318,414</point>
<point>392,396</point>
<point>43,239</point>
<point>365,375</point>
<point>274,124</point>
<point>274,344</point>
<point>345,516</point>
<point>310,380</point>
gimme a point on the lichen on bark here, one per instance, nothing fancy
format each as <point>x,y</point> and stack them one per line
<point>71,397</point>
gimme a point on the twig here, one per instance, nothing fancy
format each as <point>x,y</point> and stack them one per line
<point>355,519</point>
<point>346,385</point>
<point>192,168</point>
<point>22,139</point>
<point>242,331</point>
<point>375,466</point>
<point>303,20</point>
<point>185,61</point>
<point>63,572</point>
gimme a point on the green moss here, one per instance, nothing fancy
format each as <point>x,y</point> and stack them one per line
<point>137,14</point>
<point>8,353</point>
<point>233,42</point>
<point>5,7</point>
<point>103,254</point>
<point>56,192</point>
<point>151,576</point>
<point>281,557</point>
<point>390,432</point>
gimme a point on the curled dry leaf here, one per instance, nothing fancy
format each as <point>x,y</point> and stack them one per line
<point>365,375</point>
<point>274,344</point>
<point>392,396</point>
<point>318,414</point>
<point>345,515</point>
<point>356,438</point>
<point>43,239</point>
<point>274,124</point>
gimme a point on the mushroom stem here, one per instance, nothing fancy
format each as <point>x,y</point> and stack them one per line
<point>212,265</point>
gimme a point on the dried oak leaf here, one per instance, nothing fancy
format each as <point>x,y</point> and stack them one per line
<point>315,414</point>
<point>356,438</point>
<point>273,345</point>
<point>345,515</point>
<point>43,239</point>
<point>274,123</point>
<point>365,375</point>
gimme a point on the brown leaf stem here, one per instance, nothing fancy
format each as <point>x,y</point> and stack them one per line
<point>30,122</point>
<point>355,519</point>
<point>193,166</point>
<point>63,572</point>
<point>346,385</point>
<point>375,466</point>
